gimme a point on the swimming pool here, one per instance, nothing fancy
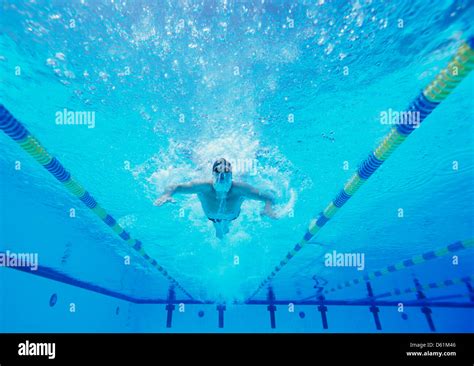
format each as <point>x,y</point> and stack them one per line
<point>306,100</point>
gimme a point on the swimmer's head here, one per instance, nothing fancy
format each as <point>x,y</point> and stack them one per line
<point>222,173</point>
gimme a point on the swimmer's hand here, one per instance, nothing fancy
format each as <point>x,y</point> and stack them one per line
<point>268,211</point>
<point>280,212</point>
<point>164,199</point>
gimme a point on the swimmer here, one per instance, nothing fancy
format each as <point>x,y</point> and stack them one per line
<point>221,198</point>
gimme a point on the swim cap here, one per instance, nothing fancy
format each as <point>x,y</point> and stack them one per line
<point>221,166</point>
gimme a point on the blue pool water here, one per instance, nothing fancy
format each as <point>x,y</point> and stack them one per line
<point>292,94</point>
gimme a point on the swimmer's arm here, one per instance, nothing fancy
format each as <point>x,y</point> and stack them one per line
<point>255,194</point>
<point>188,188</point>
<point>184,188</point>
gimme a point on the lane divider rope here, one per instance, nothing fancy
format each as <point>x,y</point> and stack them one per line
<point>425,103</point>
<point>428,286</point>
<point>407,263</point>
<point>17,131</point>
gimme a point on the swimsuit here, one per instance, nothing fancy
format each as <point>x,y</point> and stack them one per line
<point>220,220</point>
<point>221,209</point>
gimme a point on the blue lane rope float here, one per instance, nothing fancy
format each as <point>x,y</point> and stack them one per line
<point>425,103</point>
<point>408,263</point>
<point>15,129</point>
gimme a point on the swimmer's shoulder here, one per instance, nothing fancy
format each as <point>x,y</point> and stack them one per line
<point>241,187</point>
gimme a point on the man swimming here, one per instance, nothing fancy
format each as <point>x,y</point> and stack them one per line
<point>221,198</point>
